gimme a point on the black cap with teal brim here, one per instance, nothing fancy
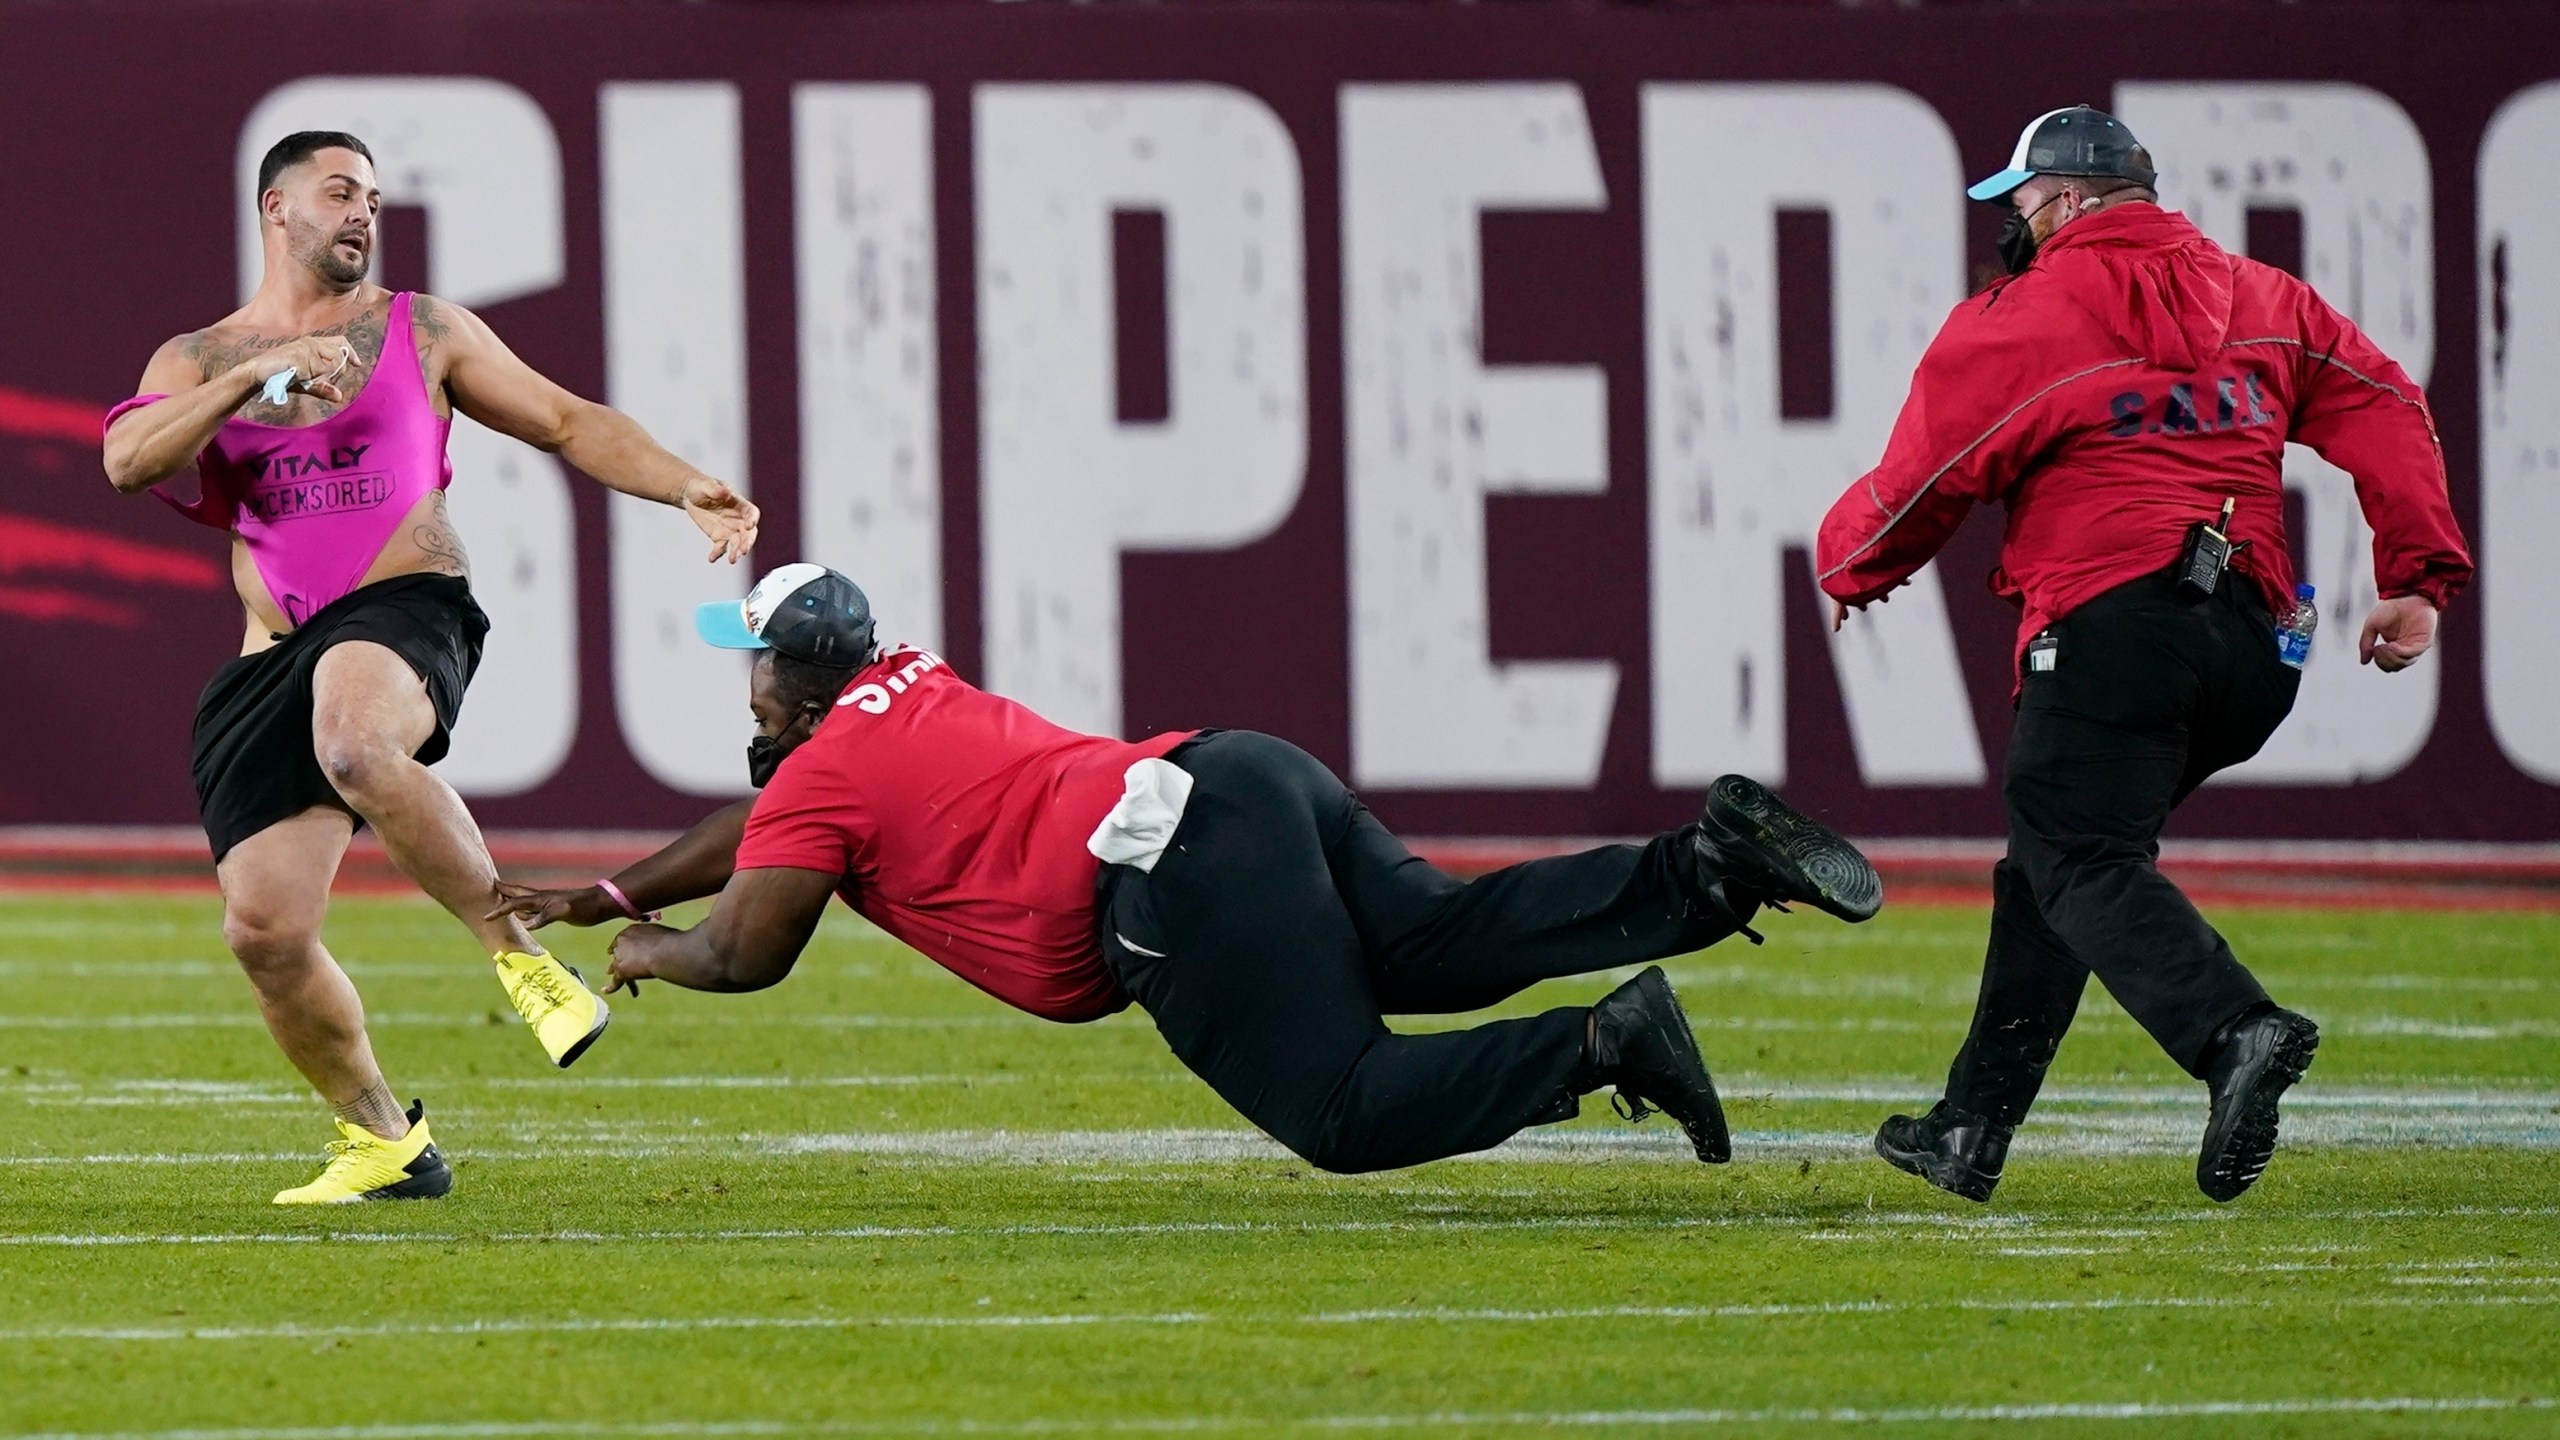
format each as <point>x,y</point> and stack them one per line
<point>805,611</point>
<point>2074,140</point>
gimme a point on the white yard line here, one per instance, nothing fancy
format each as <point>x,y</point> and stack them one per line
<point>2311,1096</point>
<point>1427,1315</point>
<point>215,1093</point>
<point>876,1232</point>
<point>1742,1087</point>
<point>1883,1227</point>
<point>2061,1130</point>
<point>2329,1267</point>
<point>760,1082</point>
<point>889,1232</point>
<point>2397,1025</point>
<point>2014,1413</point>
<point>2125,1129</point>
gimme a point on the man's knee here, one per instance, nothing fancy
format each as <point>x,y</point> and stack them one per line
<point>355,763</point>
<point>269,938</point>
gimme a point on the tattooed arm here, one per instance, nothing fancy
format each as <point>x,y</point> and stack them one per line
<point>205,382</point>
<point>491,385</point>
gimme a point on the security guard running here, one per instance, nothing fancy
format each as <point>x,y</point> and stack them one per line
<point>2127,394</point>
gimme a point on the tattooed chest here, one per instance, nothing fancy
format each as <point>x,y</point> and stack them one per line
<point>216,352</point>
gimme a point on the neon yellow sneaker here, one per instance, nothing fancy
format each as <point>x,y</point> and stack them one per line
<point>364,1166</point>
<point>565,1015</point>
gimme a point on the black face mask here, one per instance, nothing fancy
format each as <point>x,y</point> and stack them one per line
<point>2018,236</point>
<point>765,754</point>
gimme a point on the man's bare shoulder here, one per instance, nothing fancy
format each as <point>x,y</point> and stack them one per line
<point>439,321</point>
<point>442,332</point>
<point>185,361</point>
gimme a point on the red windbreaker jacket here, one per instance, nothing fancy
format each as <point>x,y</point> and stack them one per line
<point>2112,396</point>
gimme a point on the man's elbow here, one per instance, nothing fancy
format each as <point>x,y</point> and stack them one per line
<point>741,972</point>
<point>125,470</point>
<point>577,422</point>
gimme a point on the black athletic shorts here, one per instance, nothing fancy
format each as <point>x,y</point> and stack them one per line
<point>254,759</point>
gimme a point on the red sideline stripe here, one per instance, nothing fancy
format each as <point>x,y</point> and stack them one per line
<point>50,417</point>
<point>50,602</point>
<point>2513,879</point>
<point>27,543</point>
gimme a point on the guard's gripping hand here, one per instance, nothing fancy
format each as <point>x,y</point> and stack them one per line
<point>633,950</point>
<point>729,518</point>
<point>584,906</point>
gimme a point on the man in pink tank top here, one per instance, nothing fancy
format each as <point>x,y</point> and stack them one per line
<point>316,416</point>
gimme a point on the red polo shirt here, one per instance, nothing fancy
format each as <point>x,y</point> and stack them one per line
<point>957,822</point>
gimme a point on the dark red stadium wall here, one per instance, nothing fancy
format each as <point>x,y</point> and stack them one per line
<point>118,229</point>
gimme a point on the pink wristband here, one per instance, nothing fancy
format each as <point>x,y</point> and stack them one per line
<point>614,893</point>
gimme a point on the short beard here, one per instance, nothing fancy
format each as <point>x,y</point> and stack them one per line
<point>320,253</point>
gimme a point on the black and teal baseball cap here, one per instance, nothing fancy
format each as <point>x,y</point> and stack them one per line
<point>2074,140</point>
<point>805,611</point>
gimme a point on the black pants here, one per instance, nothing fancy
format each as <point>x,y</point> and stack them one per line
<point>2151,693</point>
<point>1284,921</point>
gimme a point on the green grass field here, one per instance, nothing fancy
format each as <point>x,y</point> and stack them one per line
<point>873,1201</point>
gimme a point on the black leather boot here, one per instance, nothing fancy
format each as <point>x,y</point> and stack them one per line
<point>1641,1043</point>
<point>1956,1150</point>
<point>2256,1058</point>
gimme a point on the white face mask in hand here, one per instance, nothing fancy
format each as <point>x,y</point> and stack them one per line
<point>281,384</point>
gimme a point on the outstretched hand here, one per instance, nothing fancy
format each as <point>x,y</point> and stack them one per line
<point>1840,609</point>
<point>729,518</point>
<point>583,906</point>
<point>2398,631</point>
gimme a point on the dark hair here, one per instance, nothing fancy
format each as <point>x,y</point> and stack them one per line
<point>299,146</point>
<point>2123,185</point>
<point>798,683</point>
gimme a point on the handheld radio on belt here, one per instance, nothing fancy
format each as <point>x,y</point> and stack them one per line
<point>2207,555</point>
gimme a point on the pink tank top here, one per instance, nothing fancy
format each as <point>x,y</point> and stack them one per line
<point>316,503</point>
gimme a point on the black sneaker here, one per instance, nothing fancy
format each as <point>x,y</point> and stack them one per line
<point>2256,1058</point>
<point>1641,1043</point>
<point>1956,1150</point>
<point>1753,841</point>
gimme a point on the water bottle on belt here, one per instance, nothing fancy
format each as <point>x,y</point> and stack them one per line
<point>2293,636</point>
